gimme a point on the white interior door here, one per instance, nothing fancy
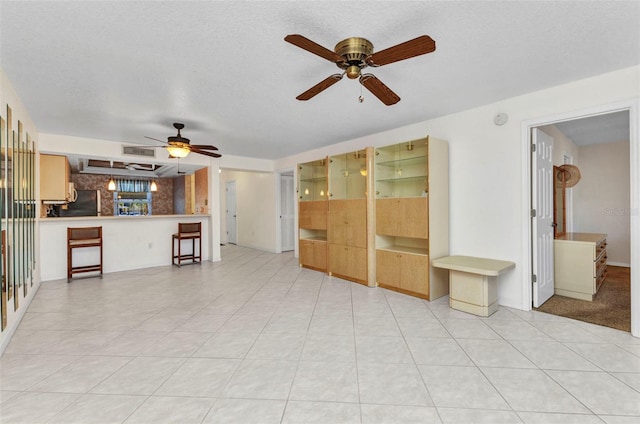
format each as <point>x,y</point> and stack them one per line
<point>232,225</point>
<point>287,223</point>
<point>542,222</point>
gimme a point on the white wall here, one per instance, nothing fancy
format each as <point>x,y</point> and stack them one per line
<point>486,167</point>
<point>8,97</point>
<point>562,145</point>
<point>256,208</point>
<point>601,198</point>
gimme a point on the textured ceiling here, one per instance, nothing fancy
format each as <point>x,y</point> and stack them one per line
<point>607,128</point>
<point>122,70</point>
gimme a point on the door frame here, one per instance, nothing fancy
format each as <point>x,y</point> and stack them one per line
<point>289,173</point>
<point>633,107</point>
<point>226,206</point>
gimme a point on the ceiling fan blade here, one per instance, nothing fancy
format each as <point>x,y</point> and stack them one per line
<point>320,87</point>
<point>204,146</point>
<point>378,89</point>
<point>313,47</point>
<point>151,138</point>
<point>206,153</point>
<point>416,47</point>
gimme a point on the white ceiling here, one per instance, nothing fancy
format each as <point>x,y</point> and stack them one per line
<point>122,70</point>
<point>607,128</point>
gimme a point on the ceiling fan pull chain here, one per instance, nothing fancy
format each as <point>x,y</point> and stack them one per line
<point>361,98</point>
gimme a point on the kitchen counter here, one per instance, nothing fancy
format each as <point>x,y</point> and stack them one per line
<point>118,218</point>
<point>129,242</point>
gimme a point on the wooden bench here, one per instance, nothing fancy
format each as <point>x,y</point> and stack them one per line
<point>473,282</point>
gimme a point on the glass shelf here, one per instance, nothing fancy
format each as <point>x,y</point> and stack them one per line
<point>402,180</point>
<point>401,170</point>
<point>412,161</point>
<point>312,180</point>
<point>347,175</point>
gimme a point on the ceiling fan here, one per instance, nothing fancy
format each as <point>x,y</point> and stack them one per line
<point>179,146</point>
<point>354,54</point>
<point>139,166</point>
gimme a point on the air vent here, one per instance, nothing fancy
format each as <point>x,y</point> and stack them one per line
<point>139,151</point>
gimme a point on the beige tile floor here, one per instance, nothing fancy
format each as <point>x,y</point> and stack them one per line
<point>256,339</point>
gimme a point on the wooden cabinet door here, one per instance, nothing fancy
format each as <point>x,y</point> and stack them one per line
<point>357,260</point>
<point>312,215</point>
<point>348,222</point>
<point>337,223</point>
<point>338,259</point>
<point>414,273</point>
<point>404,217</point>
<point>313,254</point>
<point>306,252</point>
<point>387,272</point>
<point>357,218</point>
<point>54,177</point>
<point>387,216</point>
<point>412,218</point>
<point>320,255</point>
<point>346,261</point>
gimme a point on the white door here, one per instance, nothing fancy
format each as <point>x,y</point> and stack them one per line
<point>287,223</point>
<point>232,225</point>
<point>542,222</point>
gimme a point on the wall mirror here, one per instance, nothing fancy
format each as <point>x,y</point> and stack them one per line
<point>7,291</point>
<point>17,213</point>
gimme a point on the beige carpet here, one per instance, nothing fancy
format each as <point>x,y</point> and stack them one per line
<point>610,308</point>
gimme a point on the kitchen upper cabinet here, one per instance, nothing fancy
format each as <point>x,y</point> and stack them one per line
<point>54,178</point>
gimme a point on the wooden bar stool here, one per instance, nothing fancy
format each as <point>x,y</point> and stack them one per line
<point>187,231</point>
<point>79,238</point>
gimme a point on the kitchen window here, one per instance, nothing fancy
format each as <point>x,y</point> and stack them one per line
<point>132,197</point>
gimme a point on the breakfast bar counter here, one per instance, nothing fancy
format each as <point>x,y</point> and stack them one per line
<point>129,242</point>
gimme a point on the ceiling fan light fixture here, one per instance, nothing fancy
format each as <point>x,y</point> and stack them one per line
<point>177,151</point>
<point>353,72</point>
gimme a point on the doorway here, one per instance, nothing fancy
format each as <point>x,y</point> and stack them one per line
<point>287,213</point>
<point>631,111</point>
<point>232,225</point>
